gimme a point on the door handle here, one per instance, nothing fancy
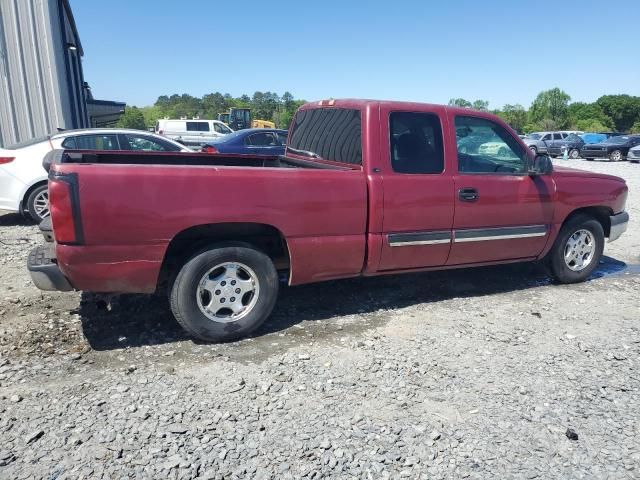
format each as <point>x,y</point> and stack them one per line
<point>468,194</point>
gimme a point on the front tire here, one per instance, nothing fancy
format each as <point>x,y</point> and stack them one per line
<point>533,149</point>
<point>38,203</point>
<point>615,156</point>
<point>224,293</point>
<point>574,153</point>
<point>577,250</point>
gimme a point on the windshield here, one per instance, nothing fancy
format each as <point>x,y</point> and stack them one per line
<point>534,136</point>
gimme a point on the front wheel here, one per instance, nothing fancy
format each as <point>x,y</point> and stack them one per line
<point>577,250</point>
<point>615,156</point>
<point>533,149</point>
<point>224,293</point>
<point>574,153</point>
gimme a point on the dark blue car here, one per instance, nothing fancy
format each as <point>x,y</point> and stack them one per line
<point>255,141</point>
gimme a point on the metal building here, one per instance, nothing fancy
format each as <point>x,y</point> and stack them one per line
<point>42,86</point>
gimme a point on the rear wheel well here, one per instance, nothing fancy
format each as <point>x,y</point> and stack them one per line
<point>186,243</point>
<point>601,214</point>
<point>25,197</point>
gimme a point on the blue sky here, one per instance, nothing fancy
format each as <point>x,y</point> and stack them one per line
<point>421,50</point>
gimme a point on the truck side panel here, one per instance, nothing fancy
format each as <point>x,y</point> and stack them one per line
<point>130,213</point>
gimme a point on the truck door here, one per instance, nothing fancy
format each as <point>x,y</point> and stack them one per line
<point>501,213</point>
<point>418,189</point>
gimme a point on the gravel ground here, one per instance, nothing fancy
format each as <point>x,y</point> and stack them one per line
<point>484,373</point>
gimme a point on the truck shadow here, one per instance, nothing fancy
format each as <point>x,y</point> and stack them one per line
<point>139,320</point>
<point>14,220</point>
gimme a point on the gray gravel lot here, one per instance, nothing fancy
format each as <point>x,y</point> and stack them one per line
<point>485,373</point>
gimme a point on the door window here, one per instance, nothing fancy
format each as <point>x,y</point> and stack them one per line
<point>261,140</point>
<point>197,126</point>
<point>416,143</point>
<point>220,128</point>
<point>486,147</point>
<point>282,138</point>
<point>557,136</point>
<point>91,142</point>
<point>148,144</point>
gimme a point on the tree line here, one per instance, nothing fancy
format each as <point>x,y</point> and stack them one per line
<point>551,110</point>
<point>263,105</point>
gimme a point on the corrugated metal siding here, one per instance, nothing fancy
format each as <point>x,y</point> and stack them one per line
<point>37,96</point>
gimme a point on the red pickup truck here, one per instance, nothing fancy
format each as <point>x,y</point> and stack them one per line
<point>365,188</point>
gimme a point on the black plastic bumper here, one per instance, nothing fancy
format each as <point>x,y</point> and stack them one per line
<point>44,270</point>
<point>46,228</point>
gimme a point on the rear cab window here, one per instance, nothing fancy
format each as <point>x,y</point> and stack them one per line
<point>331,133</point>
<point>416,143</point>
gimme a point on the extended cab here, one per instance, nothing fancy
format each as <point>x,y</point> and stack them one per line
<point>365,188</point>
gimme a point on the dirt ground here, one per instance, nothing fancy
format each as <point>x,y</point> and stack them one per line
<point>467,374</point>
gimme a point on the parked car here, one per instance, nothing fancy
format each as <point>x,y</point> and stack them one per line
<point>257,141</point>
<point>537,141</point>
<point>365,188</point>
<point>192,133</point>
<point>614,148</point>
<point>571,143</point>
<point>23,181</point>
<point>634,155</point>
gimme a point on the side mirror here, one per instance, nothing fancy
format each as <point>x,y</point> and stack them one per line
<point>541,165</point>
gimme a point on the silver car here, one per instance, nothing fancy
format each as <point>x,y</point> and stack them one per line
<point>536,141</point>
<point>634,155</point>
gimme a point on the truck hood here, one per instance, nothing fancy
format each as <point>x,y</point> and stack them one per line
<point>560,171</point>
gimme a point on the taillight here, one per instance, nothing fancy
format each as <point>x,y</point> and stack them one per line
<point>4,160</point>
<point>209,149</point>
<point>65,210</point>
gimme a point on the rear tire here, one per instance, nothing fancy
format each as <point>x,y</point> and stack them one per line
<point>581,240</point>
<point>204,299</point>
<point>533,149</point>
<point>38,203</point>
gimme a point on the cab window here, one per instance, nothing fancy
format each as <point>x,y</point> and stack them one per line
<point>91,142</point>
<point>416,143</point>
<point>488,148</point>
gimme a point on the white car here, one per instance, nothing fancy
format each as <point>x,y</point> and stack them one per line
<point>634,155</point>
<point>193,133</point>
<point>23,180</point>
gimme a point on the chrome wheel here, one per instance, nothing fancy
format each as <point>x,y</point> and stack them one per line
<point>41,204</point>
<point>616,155</point>
<point>579,250</point>
<point>228,292</point>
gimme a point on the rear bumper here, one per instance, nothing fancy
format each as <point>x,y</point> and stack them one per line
<point>44,270</point>
<point>619,225</point>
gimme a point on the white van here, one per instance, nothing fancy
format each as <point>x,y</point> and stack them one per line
<point>192,133</point>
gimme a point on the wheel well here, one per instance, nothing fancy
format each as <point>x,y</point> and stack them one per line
<point>601,214</point>
<point>265,238</point>
<point>23,201</point>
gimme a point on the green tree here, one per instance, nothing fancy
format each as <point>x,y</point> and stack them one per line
<point>588,113</point>
<point>132,118</point>
<point>624,110</point>
<point>514,115</point>
<point>482,105</point>
<point>551,105</point>
<point>635,128</point>
<point>591,125</point>
<point>460,102</point>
